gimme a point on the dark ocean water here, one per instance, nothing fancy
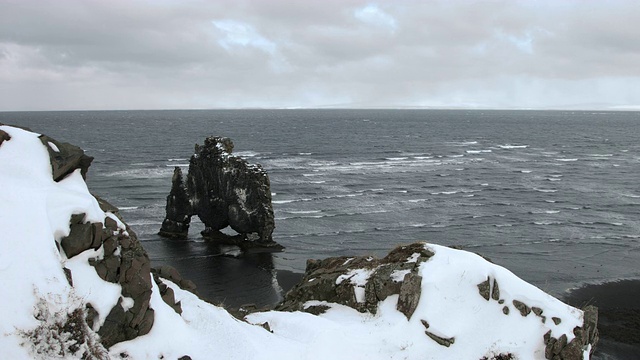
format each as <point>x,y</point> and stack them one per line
<point>553,196</point>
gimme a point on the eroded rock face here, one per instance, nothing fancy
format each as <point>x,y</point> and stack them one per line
<point>223,190</point>
<point>123,260</point>
<point>65,158</point>
<point>361,282</point>
<point>125,263</point>
<point>178,209</point>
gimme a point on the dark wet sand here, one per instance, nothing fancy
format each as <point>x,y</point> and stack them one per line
<point>618,317</point>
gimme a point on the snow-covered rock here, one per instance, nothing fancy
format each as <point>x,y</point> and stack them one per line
<point>71,268</point>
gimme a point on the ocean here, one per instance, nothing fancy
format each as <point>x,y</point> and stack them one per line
<point>551,195</point>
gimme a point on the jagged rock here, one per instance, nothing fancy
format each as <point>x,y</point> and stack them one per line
<point>168,295</point>
<point>223,190</point>
<point>484,288</point>
<point>361,282</point>
<point>440,340</point>
<point>586,335</point>
<point>176,222</point>
<point>522,307</point>
<point>82,236</point>
<point>170,273</point>
<point>410,292</point>
<point>495,291</point>
<point>65,158</point>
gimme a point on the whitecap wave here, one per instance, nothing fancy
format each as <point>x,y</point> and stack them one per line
<point>289,201</point>
<point>478,151</point>
<point>567,159</point>
<point>445,192</point>
<point>128,207</point>
<point>507,146</point>
<point>246,153</point>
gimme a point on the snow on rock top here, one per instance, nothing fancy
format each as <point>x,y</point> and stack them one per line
<point>77,284</point>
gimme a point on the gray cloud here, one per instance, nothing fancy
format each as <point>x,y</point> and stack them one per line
<point>230,53</point>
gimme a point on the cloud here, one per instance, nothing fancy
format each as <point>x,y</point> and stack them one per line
<point>280,53</point>
<point>373,15</point>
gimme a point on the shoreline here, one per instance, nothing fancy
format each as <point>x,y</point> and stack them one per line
<point>619,316</point>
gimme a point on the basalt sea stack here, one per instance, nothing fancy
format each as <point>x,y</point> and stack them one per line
<point>222,190</point>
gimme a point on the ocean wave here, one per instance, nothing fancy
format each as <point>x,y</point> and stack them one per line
<point>128,207</point>
<point>396,158</point>
<point>546,190</point>
<point>463,143</point>
<point>142,164</point>
<point>246,153</point>
<point>290,201</point>
<point>304,211</point>
<point>478,151</point>
<point>544,212</point>
<point>370,190</point>
<point>547,223</point>
<point>567,159</point>
<point>513,146</point>
<point>606,223</point>
<point>177,159</point>
<point>179,165</point>
<point>152,173</point>
<point>445,192</point>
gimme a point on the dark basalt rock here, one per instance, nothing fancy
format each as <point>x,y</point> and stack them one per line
<point>222,190</point>
<point>4,136</point>
<point>65,158</point>
<point>585,335</point>
<point>126,263</point>
<point>330,280</point>
<point>176,222</point>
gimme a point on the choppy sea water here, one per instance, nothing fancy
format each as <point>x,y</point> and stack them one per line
<point>551,195</point>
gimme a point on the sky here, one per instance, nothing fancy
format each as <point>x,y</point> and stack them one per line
<point>183,54</point>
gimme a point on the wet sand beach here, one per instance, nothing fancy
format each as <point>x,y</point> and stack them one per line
<point>619,316</point>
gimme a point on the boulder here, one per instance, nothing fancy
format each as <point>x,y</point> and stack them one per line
<point>222,190</point>
<point>65,158</point>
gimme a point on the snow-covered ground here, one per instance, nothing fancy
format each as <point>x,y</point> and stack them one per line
<point>35,212</point>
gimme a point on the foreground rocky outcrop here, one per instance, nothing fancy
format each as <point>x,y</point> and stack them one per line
<point>363,282</point>
<point>222,190</point>
<point>99,238</point>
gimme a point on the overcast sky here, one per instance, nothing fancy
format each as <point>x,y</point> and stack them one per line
<point>177,54</point>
